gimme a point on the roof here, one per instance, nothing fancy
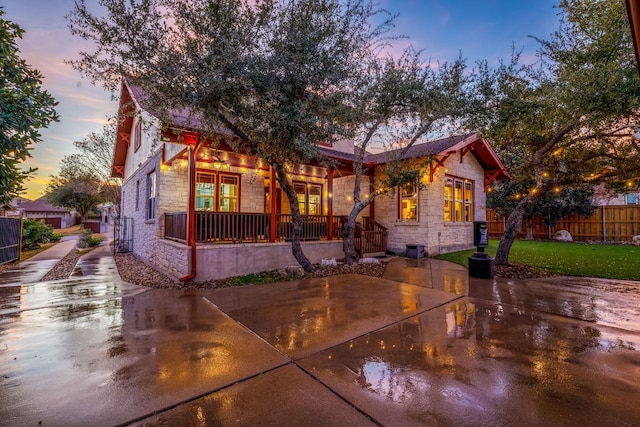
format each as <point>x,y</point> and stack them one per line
<point>473,143</point>
<point>39,205</point>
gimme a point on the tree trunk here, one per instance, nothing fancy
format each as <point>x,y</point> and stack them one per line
<point>348,231</point>
<point>296,226</point>
<point>511,230</point>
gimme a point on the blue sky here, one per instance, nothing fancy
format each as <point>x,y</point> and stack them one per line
<point>443,29</point>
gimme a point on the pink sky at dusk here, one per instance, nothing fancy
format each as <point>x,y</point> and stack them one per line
<point>442,28</point>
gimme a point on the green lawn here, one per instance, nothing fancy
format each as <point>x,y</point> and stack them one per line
<point>572,259</point>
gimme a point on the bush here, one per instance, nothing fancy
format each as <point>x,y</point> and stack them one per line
<point>35,233</point>
<point>87,240</point>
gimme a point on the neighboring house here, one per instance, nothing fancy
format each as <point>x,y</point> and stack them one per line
<point>602,197</point>
<point>40,209</point>
<point>242,220</point>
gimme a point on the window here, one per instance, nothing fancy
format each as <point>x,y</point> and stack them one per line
<point>205,191</point>
<point>448,200</point>
<point>137,194</point>
<point>631,199</point>
<point>458,200</point>
<point>229,193</point>
<point>309,198</point>
<point>468,201</point>
<point>137,135</point>
<point>152,194</point>
<point>217,192</point>
<point>409,202</point>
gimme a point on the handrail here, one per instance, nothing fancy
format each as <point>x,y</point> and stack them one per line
<point>370,237</point>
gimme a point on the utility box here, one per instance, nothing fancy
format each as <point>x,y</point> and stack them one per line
<point>415,251</point>
<point>480,234</point>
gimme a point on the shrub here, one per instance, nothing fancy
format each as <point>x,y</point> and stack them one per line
<point>36,232</point>
<point>87,240</point>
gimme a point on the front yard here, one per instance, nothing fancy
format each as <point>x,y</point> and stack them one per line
<point>572,259</point>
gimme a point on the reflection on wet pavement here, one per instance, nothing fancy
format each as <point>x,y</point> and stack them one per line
<point>263,400</point>
<point>425,345</point>
<point>26,272</point>
<point>95,266</point>
<point>468,363</point>
<point>606,302</point>
<point>110,360</point>
<point>301,317</point>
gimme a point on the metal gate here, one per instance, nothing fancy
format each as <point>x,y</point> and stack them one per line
<point>123,235</point>
<point>9,239</point>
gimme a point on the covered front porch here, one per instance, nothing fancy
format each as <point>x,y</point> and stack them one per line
<point>370,237</point>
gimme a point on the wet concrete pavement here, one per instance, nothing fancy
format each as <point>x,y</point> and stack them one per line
<point>422,346</point>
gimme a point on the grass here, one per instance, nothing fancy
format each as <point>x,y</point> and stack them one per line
<point>25,255</point>
<point>571,259</point>
<point>74,229</point>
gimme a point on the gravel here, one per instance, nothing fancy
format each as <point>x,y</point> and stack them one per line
<point>64,267</point>
<point>137,272</point>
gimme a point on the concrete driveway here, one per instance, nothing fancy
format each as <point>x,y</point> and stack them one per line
<point>421,346</point>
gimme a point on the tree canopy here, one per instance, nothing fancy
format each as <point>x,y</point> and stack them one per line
<point>75,188</point>
<point>568,118</point>
<point>95,157</point>
<point>25,107</point>
<point>398,103</point>
<point>275,73</point>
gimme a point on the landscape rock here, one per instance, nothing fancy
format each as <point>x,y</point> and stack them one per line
<point>328,263</point>
<point>636,240</point>
<point>563,236</point>
<point>369,261</point>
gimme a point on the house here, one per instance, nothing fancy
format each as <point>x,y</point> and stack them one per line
<point>241,221</point>
<point>40,209</point>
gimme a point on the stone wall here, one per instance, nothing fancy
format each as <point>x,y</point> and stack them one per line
<point>220,261</point>
<point>431,230</point>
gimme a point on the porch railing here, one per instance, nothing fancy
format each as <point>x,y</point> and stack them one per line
<point>370,237</point>
<point>175,226</point>
<point>247,227</point>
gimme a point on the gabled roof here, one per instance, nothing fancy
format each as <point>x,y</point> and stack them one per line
<point>133,97</point>
<point>473,143</point>
<point>40,205</point>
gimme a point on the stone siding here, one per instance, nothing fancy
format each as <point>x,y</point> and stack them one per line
<point>431,230</point>
<point>240,259</point>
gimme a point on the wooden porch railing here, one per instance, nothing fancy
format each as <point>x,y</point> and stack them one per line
<point>243,227</point>
<point>370,237</point>
<point>175,226</point>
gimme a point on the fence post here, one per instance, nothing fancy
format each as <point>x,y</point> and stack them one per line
<point>604,224</point>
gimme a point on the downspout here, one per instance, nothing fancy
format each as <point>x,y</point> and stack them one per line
<point>191,211</point>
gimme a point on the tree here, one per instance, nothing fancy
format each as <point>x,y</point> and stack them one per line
<point>24,108</point>
<point>553,206</point>
<point>96,153</point>
<point>75,189</point>
<point>567,118</point>
<point>402,101</point>
<point>275,73</point>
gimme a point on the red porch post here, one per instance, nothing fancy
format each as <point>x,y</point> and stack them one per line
<point>330,204</point>
<point>272,205</point>
<point>372,204</point>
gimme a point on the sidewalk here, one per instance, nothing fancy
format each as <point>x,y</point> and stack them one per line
<point>34,269</point>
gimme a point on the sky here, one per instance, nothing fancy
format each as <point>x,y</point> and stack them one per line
<point>442,29</point>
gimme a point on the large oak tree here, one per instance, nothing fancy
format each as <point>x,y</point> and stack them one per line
<point>568,118</point>
<point>276,73</point>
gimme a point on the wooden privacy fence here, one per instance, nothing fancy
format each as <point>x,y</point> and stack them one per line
<point>9,239</point>
<point>608,223</point>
